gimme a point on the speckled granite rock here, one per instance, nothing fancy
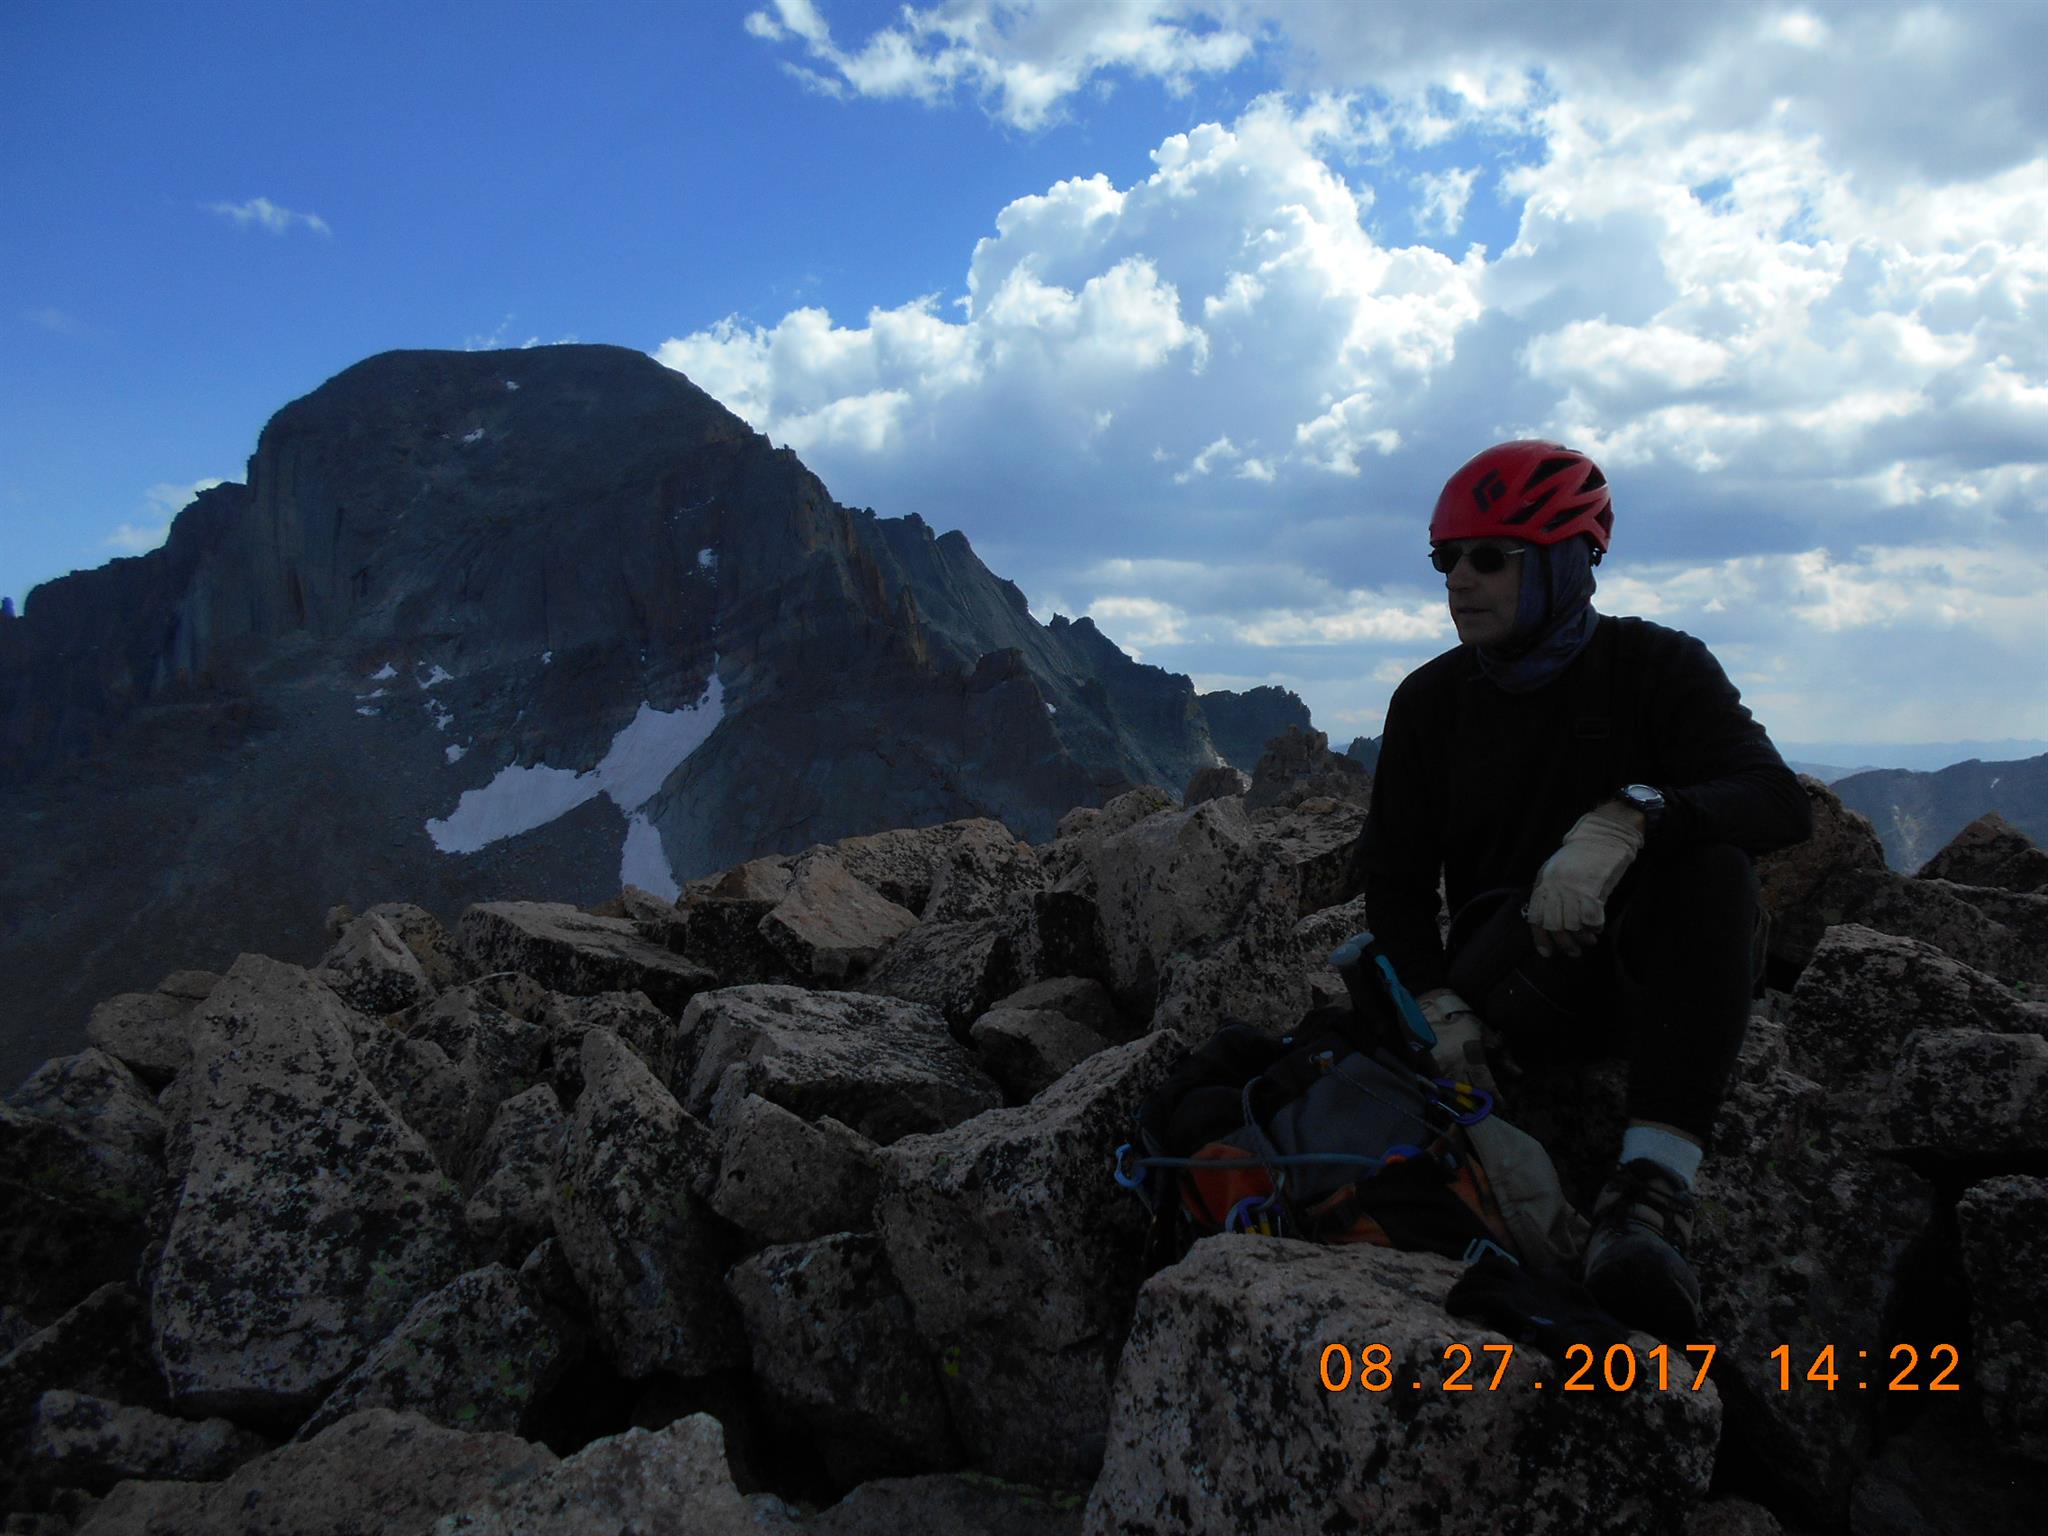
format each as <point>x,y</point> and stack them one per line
<point>640,1483</point>
<point>569,951</point>
<point>377,1474</point>
<point>2004,1226</point>
<point>782,1179</point>
<point>310,1218</point>
<point>1020,1260</point>
<point>1224,1424</point>
<point>882,1066</point>
<point>628,1207</point>
<point>838,1360</point>
<point>478,1354</point>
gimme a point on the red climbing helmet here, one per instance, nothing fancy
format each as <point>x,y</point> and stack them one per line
<point>1542,492</point>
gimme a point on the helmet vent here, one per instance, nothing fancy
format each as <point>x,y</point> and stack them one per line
<point>1551,467</point>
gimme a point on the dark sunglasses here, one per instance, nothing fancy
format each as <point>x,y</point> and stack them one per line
<point>1487,559</point>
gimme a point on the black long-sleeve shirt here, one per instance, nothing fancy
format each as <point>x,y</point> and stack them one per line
<point>1479,785</point>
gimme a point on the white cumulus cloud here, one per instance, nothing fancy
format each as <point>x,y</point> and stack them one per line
<point>1779,267</point>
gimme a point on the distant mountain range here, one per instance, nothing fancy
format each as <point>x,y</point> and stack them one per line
<point>1832,760</point>
<point>531,623</point>
<point>1916,814</point>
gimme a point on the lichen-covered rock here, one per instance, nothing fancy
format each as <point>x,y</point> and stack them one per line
<point>2004,1227</point>
<point>421,932</point>
<point>903,862</point>
<point>1313,840</point>
<point>783,1179</point>
<point>1803,886</point>
<point>1063,937</point>
<point>884,1067</point>
<point>429,1093</point>
<point>642,1028</point>
<point>1991,851</point>
<point>1224,1424</point>
<point>950,1504</point>
<point>1942,1475</point>
<point>766,879</point>
<point>641,1483</point>
<point>628,1208</point>
<point>955,969</point>
<point>371,968</point>
<point>1732,1517</point>
<point>1863,993</point>
<point>512,1176</point>
<point>100,1347</point>
<point>838,1360</point>
<point>478,1354</point>
<point>982,873</point>
<point>310,1218</point>
<point>724,933</point>
<point>150,1031</point>
<point>72,1211</point>
<point>1020,1259</point>
<point>1215,783</point>
<point>1963,1094</point>
<point>393,1474</point>
<point>1320,933</point>
<point>1802,1240</point>
<point>1190,906</point>
<point>1028,1050</point>
<point>82,1145</point>
<point>1253,974</point>
<point>1298,765</point>
<point>80,1441</point>
<point>97,1096</point>
<point>644,907</point>
<point>2001,933</point>
<point>569,951</point>
<point>1081,998</point>
<point>831,927</point>
<point>1084,829</point>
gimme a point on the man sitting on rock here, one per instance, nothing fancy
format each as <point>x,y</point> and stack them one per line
<point>1569,775</point>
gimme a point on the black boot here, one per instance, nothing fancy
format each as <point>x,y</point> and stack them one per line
<point>1635,1256</point>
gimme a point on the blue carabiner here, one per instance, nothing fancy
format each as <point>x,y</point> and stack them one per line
<point>1128,1181</point>
<point>1479,1096</point>
<point>1240,1220</point>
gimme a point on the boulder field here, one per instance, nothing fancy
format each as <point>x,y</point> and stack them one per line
<point>787,1204</point>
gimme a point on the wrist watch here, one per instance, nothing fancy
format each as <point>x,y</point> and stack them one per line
<point>1645,798</point>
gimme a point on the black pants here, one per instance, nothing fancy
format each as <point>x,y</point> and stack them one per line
<point>1669,984</point>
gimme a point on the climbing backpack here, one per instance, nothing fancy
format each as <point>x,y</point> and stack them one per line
<point>1340,1133</point>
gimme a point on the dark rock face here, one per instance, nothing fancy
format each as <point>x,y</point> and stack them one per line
<point>1991,851</point>
<point>477,571</point>
<point>1299,765</point>
<point>1242,723</point>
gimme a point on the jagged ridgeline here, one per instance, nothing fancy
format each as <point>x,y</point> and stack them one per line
<point>787,1206</point>
<point>520,623</point>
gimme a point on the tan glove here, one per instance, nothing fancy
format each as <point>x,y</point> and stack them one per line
<point>1460,1050</point>
<point>1568,907</point>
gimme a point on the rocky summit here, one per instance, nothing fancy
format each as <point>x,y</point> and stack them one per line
<point>483,623</point>
<point>785,1204</point>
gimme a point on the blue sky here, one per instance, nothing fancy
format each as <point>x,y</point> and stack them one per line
<point>1181,311</point>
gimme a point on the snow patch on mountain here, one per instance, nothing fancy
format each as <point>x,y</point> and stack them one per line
<point>641,756</point>
<point>643,861</point>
